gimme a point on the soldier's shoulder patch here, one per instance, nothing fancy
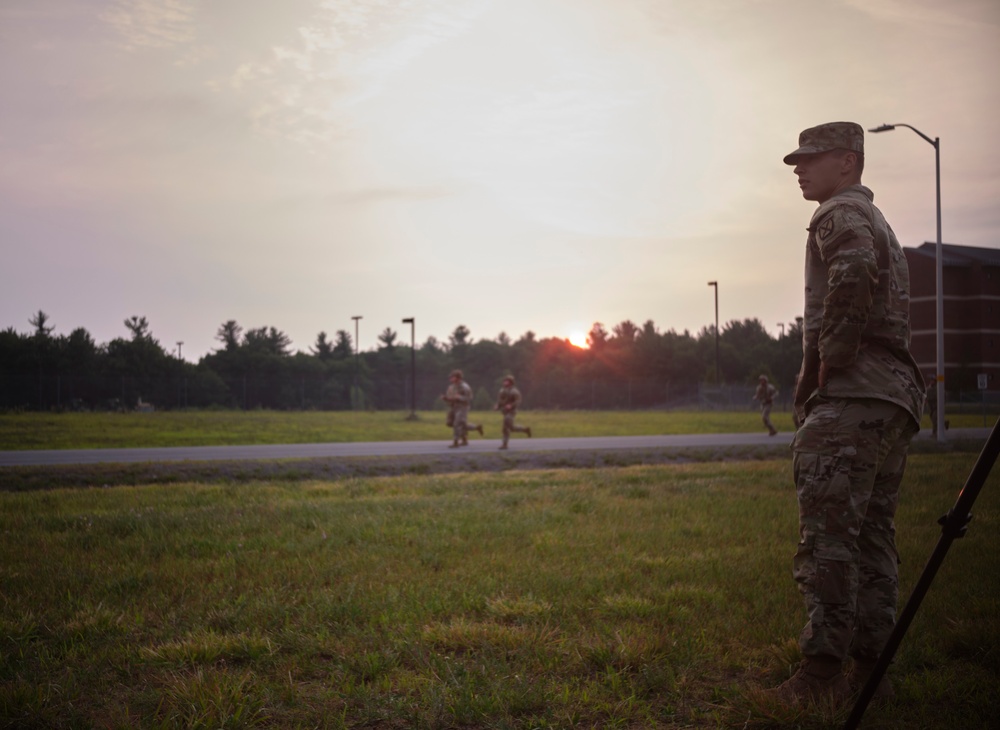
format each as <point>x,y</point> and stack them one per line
<point>839,223</point>
<point>825,229</point>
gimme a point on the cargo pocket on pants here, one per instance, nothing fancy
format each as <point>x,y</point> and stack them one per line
<point>833,571</point>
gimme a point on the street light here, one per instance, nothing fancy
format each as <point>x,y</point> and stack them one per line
<point>179,344</point>
<point>413,368</point>
<point>716,285</point>
<point>938,274</point>
<point>782,325</point>
<point>356,366</point>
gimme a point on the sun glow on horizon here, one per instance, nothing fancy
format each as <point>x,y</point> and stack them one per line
<point>579,339</point>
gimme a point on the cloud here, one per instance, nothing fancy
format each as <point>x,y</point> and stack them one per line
<point>152,23</point>
<point>343,55</point>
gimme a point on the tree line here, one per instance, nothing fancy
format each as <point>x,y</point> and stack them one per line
<point>626,366</point>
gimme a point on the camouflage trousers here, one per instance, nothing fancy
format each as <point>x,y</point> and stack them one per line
<point>509,427</point>
<point>460,424</point>
<point>849,458</point>
<point>765,416</point>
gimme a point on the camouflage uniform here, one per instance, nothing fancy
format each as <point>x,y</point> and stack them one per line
<point>850,452</point>
<point>508,401</point>
<point>458,396</point>
<point>765,396</point>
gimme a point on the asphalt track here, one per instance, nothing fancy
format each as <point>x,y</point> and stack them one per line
<point>413,448</point>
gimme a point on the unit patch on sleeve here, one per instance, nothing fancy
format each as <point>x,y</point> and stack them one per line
<point>824,230</point>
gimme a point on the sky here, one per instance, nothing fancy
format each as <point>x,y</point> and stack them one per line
<point>507,165</point>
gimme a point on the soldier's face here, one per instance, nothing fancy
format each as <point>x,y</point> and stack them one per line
<point>820,176</point>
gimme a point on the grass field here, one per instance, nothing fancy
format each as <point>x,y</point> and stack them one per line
<point>631,597</point>
<point>210,428</point>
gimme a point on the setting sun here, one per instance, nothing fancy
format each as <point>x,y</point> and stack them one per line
<point>579,339</point>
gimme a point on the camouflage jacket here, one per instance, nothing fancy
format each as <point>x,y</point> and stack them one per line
<point>459,396</point>
<point>509,397</point>
<point>857,299</point>
<point>765,394</point>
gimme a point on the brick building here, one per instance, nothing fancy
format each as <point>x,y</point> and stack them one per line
<point>971,278</point>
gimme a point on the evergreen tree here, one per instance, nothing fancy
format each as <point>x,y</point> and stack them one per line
<point>323,349</point>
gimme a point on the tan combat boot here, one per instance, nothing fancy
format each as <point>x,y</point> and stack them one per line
<point>816,680</point>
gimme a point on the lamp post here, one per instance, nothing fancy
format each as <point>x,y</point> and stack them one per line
<point>715,284</point>
<point>179,345</point>
<point>356,366</point>
<point>413,368</point>
<point>782,325</point>
<point>938,275</point>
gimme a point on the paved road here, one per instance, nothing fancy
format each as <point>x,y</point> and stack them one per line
<point>406,448</point>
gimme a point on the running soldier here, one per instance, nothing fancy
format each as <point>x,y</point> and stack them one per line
<point>765,396</point>
<point>508,401</point>
<point>458,396</point>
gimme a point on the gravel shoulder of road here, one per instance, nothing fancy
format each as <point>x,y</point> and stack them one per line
<point>24,478</point>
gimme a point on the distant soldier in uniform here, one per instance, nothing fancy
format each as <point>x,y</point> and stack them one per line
<point>508,401</point>
<point>458,396</point>
<point>765,396</point>
<point>859,396</point>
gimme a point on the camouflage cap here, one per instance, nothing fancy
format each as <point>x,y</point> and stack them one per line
<point>826,137</point>
<point>455,374</point>
<point>508,377</point>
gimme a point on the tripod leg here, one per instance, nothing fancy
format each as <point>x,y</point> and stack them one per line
<point>953,526</point>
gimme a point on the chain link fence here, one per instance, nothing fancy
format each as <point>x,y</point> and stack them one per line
<point>59,393</point>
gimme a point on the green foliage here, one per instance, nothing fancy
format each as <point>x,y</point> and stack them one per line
<point>482,400</point>
<point>627,367</point>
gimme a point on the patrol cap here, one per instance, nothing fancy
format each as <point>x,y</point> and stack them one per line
<point>508,377</point>
<point>455,374</point>
<point>826,137</point>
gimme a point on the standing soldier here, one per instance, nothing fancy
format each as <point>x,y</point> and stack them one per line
<point>860,396</point>
<point>459,397</point>
<point>765,395</point>
<point>508,401</point>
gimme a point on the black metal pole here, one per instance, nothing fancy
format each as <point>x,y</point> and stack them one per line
<point>356,395</point>
<point>715,285</point>
<point>718,375</point>
<point>413,367</point>
<point>953,526</point>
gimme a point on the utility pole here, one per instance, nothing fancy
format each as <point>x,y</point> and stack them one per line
<point>718,378</point>
<point>413,368</point>
<point>357,388</point>
<point>938,276</point>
